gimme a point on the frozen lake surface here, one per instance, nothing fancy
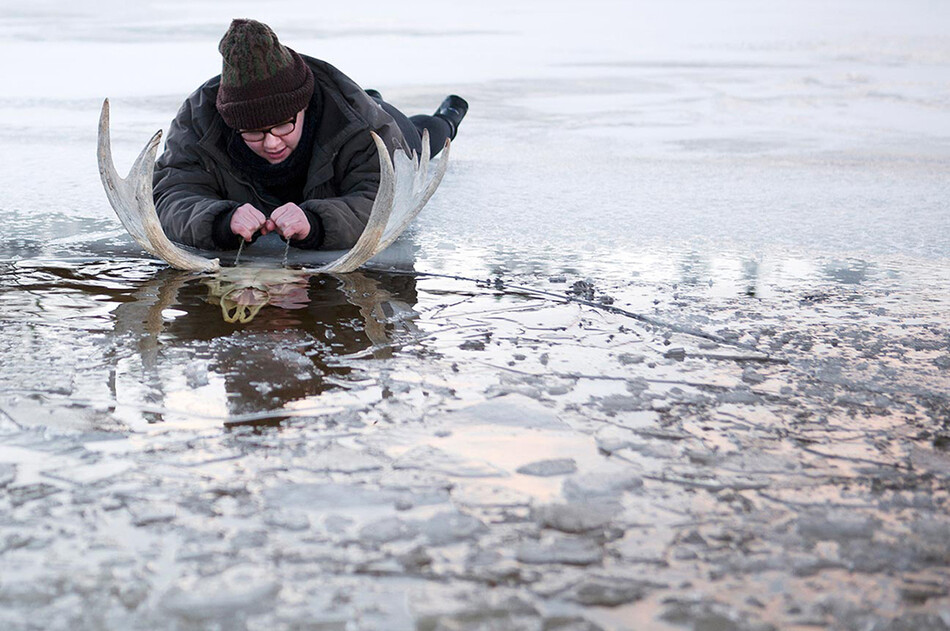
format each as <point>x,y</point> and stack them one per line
<point>668,349</point>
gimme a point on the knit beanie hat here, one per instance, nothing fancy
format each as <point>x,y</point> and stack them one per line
<point>262,81</point>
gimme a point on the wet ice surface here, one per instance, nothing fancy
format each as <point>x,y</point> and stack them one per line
<point>693,373</point>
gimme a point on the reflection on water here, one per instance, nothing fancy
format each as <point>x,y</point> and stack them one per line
<point>694,269</point>
<point>90,343</point>
<point>729,275</point>
<point>750,273</point>
<point>152,343</point>
<point>849,272</point>
<point>242,292</point>
<point>566,432</point>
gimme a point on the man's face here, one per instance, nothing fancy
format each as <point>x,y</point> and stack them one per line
<point>273,147</point>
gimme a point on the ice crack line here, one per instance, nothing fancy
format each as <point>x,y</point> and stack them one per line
<point>506,288</point>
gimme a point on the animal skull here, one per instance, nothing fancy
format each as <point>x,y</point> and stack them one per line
<point>404,188</point>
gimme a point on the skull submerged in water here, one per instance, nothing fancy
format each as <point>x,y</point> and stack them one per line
<point>242,292</point>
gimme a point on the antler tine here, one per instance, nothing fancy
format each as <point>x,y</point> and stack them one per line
<point>111,182</point>
<point>131,199</point>
<point>420,163</point>
<point>391,214</point>
<point>426,155</point>
<point>368,244</point>
<point>392,232</point>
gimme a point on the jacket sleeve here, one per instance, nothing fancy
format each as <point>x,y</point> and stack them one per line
<point>187,195</point>
<point>356,177</point>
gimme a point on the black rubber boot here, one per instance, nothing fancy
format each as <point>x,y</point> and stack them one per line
<point>374,93</point>
<point>452,110</point>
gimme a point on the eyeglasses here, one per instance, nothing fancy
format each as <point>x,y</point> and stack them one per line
<point>281,129</point>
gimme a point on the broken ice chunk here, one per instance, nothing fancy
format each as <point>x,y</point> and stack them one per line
<point>433,459</point>
<point>289,520</point>
<point>148,514</point>
<point>837,525</point>
<point>749,375</point>
<point>561,549</point>
<point>513,409</point>
<point>7,474</point>
<point>546,468</point>
<point>446,528</point>
<point>608,591</point>
<point>226,598</point>
<point>631,358</point>
<point>344,460</point>
<point>196,374</point>
<point>677,352</point>
<point>90,473</point>
<point>576,518</point>
<point>387,530</point>
<point>609,482</point>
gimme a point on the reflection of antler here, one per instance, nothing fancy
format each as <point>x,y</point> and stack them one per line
<point>365,293</point>
<point>403,191</point>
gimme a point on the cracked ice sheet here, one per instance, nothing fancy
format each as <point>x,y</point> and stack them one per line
<point>776,182</point>
<point>713,466</point>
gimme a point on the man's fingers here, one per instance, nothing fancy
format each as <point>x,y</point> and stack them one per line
<point>289,221</point>
<point>247,231</point>
<point>248,227</point>
<point>246,221</point>
<point>295,228</point>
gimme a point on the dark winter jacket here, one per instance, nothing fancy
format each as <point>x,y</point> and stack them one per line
<point>196,180</point>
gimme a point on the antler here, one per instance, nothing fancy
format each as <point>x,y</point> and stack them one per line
<point>131,198</point>
<point>404,188</point>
